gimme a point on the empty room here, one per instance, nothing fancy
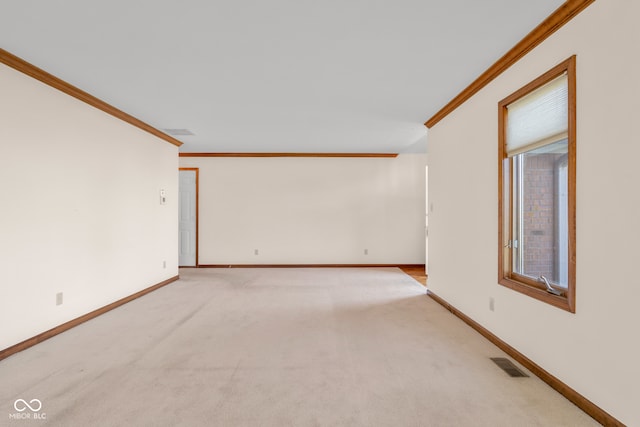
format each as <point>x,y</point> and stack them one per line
<point>407,213</point>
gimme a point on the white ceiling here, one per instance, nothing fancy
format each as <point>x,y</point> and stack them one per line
<point>273,76</point>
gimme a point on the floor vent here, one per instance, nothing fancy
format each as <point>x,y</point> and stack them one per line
<point>508,366</point>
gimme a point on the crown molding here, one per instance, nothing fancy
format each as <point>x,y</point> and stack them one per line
<point>550,25</point>
<point>288,154</point>
<point>39,74</point>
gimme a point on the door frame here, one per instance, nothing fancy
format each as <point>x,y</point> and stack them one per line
<point>197,171</point>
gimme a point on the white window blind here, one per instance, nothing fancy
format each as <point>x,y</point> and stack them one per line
<point>539,118</point>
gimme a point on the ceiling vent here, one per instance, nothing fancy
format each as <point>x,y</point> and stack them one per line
<point>179,132</point>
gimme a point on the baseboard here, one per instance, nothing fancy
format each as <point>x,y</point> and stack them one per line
<point>75,322</point>
<point>308,265</point>
<point>579,400</point>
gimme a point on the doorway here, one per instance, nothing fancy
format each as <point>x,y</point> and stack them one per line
<point>428,208</point>
<point>188,217</point>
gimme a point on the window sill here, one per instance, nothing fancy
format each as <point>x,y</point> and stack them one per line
<point>563,302</point>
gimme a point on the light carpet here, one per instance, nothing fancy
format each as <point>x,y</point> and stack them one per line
<point>278,347</point>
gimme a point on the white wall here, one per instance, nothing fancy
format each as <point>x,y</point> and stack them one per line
<point>596,350</point>
<point>80,208</point>
<point>311,210</point>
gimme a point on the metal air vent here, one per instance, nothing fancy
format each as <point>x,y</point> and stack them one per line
<point>178,132</point>
<point>508,366</point>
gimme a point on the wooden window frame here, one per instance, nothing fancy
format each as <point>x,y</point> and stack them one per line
<point>506,276</point>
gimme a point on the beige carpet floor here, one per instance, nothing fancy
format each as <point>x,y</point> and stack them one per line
<point>278,347</point>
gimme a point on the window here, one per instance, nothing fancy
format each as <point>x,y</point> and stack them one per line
<point>537,182</point>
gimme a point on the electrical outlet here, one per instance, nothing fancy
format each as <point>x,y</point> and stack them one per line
<point>59,298</point>
<point>255,252</point>
<point>164,264</point>
<point>492,304</point>
<point>366,251</point>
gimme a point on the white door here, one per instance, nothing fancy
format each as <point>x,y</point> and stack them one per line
<point>188,218</point>
<point>426,221</point>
